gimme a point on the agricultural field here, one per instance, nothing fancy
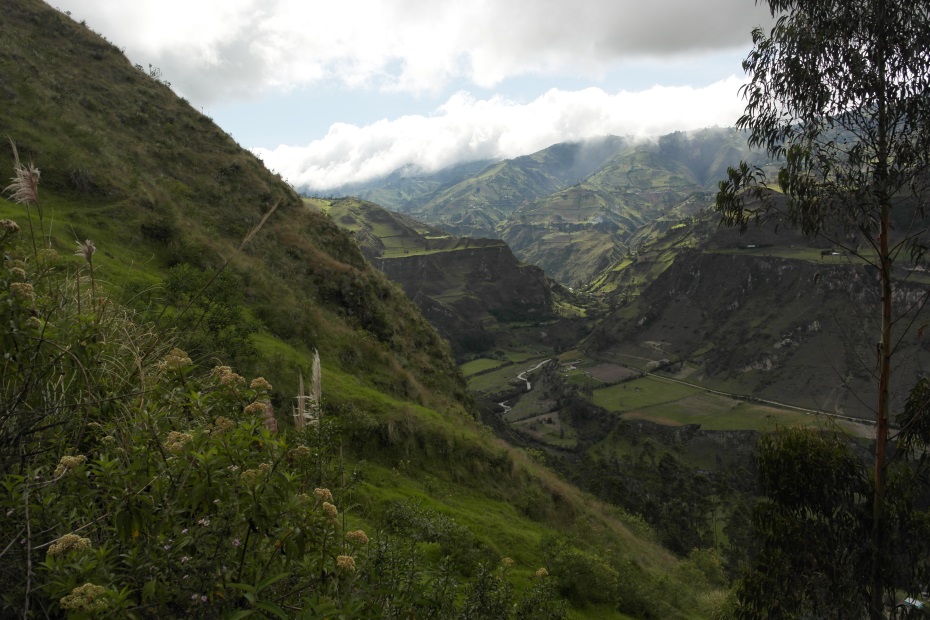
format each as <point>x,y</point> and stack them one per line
<point>610,373</point>
<point>481,364</point>
<point>674,404</point>
<point>503,379</point>
<point>641,393</point>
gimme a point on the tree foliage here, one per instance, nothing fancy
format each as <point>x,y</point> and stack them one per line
<point>838,93</point>
<point>815,523</point>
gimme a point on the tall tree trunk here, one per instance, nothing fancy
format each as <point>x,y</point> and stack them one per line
<point>881,426</point>
<point>885,345</point>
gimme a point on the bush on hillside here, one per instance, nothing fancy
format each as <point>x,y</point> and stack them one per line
<point>138,485</point>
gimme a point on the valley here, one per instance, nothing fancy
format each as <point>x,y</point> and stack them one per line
<point>750,314</point>
<point>548,386</point>
<point>667,339</point>
<point>148,384</point>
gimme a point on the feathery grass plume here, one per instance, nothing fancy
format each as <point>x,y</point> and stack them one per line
<point>24,190</point>
<point>24,186</point>
<point>86,250</point>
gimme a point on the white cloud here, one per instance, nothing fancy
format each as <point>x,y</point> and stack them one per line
<point>464,129</point>
<point>215,49</point>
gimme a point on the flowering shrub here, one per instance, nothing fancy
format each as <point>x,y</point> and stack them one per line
<point>137,485</point>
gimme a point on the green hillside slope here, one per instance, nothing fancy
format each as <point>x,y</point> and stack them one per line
<point>576,233</point>
<point>475,206</point>
<point>144,484</point>
<point>474,291</point>
<point>768,314</point>
<point>575,209</point>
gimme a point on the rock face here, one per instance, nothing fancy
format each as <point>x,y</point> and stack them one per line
<point>467,288</point>
<point>465,293</point>
<point>789,330</point>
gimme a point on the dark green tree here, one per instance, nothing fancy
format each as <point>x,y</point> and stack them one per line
<point>839,92</point>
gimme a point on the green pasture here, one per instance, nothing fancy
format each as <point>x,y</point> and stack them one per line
<point>530,405</point>
<point>479,365</point>
<point>715,412</point>
<point>796,253</point>
<point>495,381</point>
<point>645,392</point>
<point>674,404</point>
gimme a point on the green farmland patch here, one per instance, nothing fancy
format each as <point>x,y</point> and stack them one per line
<point>645,392</point>
<point>479,365</point>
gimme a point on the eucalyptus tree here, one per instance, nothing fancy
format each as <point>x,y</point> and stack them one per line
<point>839,94</point>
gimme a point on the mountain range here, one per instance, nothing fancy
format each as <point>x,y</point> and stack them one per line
<point>214,255</point>
<point>765,313</point>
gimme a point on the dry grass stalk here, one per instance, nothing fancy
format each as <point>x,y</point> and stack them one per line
<point>300,409</point>
<point>24,186</point>
<point>258,227</point>
<point>86,251</point>
<point>316,389</point>
<point>24,190</point>
<point>307,409</point>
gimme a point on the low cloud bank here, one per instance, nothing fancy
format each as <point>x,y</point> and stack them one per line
<point>468,129</point>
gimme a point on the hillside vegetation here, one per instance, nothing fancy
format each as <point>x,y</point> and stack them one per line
<point>151,466</point>
<point>474,291</point>
<point>574,209</point>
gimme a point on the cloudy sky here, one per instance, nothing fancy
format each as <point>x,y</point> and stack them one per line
<point>329,92</point>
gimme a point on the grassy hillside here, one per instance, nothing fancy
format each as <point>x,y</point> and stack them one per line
<point>406,187</point>
<point>141,458</point>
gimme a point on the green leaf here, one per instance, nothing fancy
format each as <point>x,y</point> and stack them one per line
<point>272,609</point>
<point>264,583</point>
<point>149,590</point>
<point>245,587</point>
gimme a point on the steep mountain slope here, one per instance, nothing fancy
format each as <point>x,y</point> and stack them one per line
<point>126,163</point>
<point>574,209</point>
<point>168,199</point>
<point>771,315</point>
<point>475,206</point>
<point>406,187</point>
<point>471,290</point>
<point>576,233</point>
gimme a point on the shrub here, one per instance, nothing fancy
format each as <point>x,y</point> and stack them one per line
<point>584,578</point>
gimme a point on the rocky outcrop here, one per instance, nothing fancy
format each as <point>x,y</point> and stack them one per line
<point>466,292</point>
